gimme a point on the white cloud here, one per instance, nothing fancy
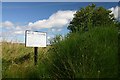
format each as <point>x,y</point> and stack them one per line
<point>58,19</point>
<point>18,27</point>
<point>115,11</point>
<point>0,24</point>
<point>59,29</point>
<point>56,29</point>
<point>53,30</point>
<point>8,24</point>
<point>19,32</point>
<point>48,37</point>
<point>54,23</point>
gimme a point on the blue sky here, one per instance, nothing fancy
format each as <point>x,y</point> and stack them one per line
<point>60,0</point>
<point>50,17</point>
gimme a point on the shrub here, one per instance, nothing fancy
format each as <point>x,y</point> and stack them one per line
<point>92,54</point>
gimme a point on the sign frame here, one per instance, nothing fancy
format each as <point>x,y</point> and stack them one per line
<point>33,31</point>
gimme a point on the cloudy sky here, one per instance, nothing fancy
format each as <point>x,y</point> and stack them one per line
<point>50,17</point>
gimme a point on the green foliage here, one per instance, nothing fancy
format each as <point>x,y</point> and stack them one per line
<point>91,53</point>
<point>56,39</point>
<point>88,55</point>
<point>90,16</point>
<point>17,61</point>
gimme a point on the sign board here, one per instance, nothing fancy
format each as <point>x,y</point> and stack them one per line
<point>35,39</point>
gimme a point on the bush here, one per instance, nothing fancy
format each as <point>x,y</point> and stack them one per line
<point>92,54</point>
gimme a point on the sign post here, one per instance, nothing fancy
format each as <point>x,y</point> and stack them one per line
<point>35,55</point>
<point>35,39</point>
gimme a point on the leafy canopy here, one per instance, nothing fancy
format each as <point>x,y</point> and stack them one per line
<point>90,16</point>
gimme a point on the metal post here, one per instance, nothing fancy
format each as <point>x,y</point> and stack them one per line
<point>35,55</point>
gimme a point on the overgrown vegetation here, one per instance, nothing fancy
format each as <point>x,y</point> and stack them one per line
<point>86,52</point>
<point>17,60</point>
<point>93,54</point>
<point>90,17</point>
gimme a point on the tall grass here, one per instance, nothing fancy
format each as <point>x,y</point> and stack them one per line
<point>18,60</point>
<point>92,54</point>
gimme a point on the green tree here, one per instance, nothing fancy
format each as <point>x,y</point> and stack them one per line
<point>90,16</point>
<point>56,39</point>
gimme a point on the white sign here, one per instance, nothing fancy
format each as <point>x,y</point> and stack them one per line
<point>35,39</point>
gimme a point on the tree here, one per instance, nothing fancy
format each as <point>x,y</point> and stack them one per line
<point>56,39</point>
<point>90,16</point>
